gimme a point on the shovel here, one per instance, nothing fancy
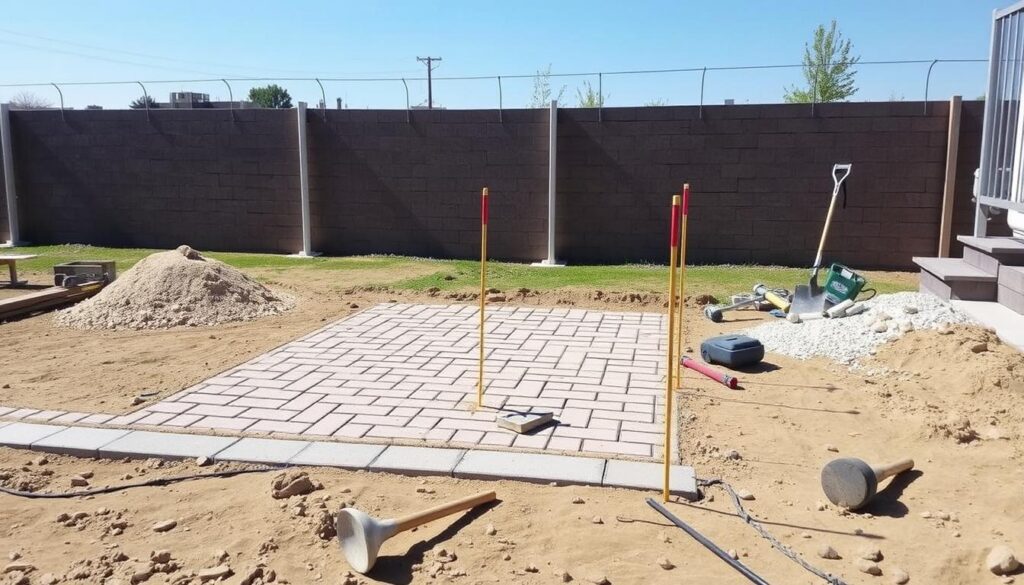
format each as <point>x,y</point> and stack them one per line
<point>810,298</point>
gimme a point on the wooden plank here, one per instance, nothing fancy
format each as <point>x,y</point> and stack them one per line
<point>949,189</point>
<point>46,298</point>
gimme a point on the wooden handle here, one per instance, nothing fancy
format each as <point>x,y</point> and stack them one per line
<point>824,232</point>
<point>431,514</point>
<point>884,471</point>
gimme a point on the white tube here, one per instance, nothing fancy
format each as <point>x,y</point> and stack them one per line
<point>840,309</point>
<point>856,309</point>
<point>811,316</point>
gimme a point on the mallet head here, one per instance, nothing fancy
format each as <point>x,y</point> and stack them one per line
<point>713,312</point>
<point>848,482</point>
<point>361,536</point>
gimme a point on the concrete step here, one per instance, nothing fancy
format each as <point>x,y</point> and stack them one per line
<point>1011,288</point>
<point>955,279</point>
<point>1008,251</point>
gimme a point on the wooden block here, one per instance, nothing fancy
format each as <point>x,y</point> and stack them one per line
<point>524,422</point>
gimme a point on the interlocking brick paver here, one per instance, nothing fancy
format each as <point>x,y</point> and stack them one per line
<point>410,371</point>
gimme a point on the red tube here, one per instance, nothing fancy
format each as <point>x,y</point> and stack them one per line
<point>724,379</point>
<point>673,238</point>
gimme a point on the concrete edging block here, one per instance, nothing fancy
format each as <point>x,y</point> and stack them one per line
<point>78,441</point>
<point>417,460</point>
<point>21,435</point>
<point>535,467</point>
<point>344,455</point>
<point>142,444</point>
<point>270,451</point>
<point>649,476</point>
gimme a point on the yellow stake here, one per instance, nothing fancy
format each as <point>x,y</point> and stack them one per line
<point>483,292</point>
<point>673,258</point>
<point>682,283</point>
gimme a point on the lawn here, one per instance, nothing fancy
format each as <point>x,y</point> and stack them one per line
<point>718,280</point>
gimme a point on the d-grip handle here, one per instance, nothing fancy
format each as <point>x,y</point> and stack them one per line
<point>431,514</point>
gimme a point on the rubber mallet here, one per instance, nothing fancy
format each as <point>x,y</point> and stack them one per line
<point>851,483</point>
<point>361,535</point>
<point>720,377</point>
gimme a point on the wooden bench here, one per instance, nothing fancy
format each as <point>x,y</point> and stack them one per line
<point>11,262</point>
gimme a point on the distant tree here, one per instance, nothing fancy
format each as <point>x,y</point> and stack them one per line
<point>542,95</point>
<point>588,97</point>
<point>657,103</point>
<point>141,103</point>
<point>270,96</point>
<point>896,97</point>
<point>827,67</point>
<point>93,107</point>
<point>27,100</point>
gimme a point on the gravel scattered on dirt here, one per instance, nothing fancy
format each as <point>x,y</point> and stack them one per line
<point>847,339</point>
<point>174,289</point>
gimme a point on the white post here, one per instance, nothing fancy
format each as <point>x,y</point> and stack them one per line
<point>8,161</point>
<point>307,246</point>
<point>552,183</point>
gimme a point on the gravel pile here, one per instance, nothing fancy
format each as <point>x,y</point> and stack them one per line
<point>172,289</point>
<point>847,339</point>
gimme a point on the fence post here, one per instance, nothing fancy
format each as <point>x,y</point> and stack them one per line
<point>8,156</point>
<point>552,184</point>
<point>307,247</point>
<point>949,189</point>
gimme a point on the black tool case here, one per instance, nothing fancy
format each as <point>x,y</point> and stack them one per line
<point>734,351</point>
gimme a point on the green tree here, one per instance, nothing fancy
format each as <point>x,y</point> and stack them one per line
<point>542,94</point>
<point>828,68</point>
<point>142,101</point>
<point>657,103</point>
<point>27,100</point>
<point>588,97</point>
<point>270,96</point>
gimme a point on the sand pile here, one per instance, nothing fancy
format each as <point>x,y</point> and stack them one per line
<point>172,289</point>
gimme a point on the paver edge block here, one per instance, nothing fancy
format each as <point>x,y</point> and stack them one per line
<point>19,435</point>
<point>201,445</point>
<point>529,467</point>
<point>361,455</point>
<point>88,439</point>
<point>260,450</point>
<point>406,460</point>
<point>631,475</point>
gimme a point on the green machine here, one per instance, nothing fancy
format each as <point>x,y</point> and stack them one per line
<point>842,284</point>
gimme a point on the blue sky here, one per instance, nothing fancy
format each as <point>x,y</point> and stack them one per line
<point>75,41</point>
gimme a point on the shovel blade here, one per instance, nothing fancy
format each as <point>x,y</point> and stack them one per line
<point>808,298</point>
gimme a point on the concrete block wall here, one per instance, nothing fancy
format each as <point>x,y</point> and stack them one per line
<point>380,184</point>
<point>114,178</point>
<point>761,182</point>
<point>4,231</point>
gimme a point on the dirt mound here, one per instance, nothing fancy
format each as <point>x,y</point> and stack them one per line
<point>172,289</point>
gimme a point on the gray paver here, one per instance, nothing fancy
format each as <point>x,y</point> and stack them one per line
<point>649,476</point>
<point>346,455</point>
<point>79,441</point>
<point>273,451</point>
<point>21,435</point>
<point>166,445</point>
<point>536,467</point>
<point>417,460</point>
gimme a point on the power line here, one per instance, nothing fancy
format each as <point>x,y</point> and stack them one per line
<point>430,82</point>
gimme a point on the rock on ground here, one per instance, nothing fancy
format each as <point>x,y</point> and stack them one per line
<point>1001,560</point>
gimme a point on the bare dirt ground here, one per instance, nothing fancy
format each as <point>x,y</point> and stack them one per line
<point>950,404</point>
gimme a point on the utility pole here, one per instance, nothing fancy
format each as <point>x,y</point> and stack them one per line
<point>430,85</point>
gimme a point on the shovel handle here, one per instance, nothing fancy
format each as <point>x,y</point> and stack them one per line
<point>431,514</point>
<point>891,469</point>
<point>839,174</point>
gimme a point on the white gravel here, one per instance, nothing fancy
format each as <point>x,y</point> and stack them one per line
<point>847,339</point>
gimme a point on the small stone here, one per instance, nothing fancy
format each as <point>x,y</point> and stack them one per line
<point>871,553</point>
<point>732,554</point>
<point>507,557</point>
<point>882,316</point>
<point>17,578</point>
<point>218,572</point>
<point>910,310</point>
<point>865,566</point>
<point>732,455</point>
<point>597,520</point>
<point>41,460</point>
<point>906,326</point>
<point>86,474</point>
<point>981,347</point>
<point>744,494</point>
<point>490,530</point>
<point>898,576</point>
<point>563,575</point>
<point>141,572</point>
<point>14,555</point>
<point>49,579</point>
<point>203,461</point>
<point>79,481</point>
<point>832,448</point>
<point>1001,560</point>
<point>531,568</point>
<point>138,400</point>
<point>292,483</point>
<point>880,327</point>
<point>805,535</point>
<point>578,500</point>
<point>926,514</point>
<point>827,552</point>
<point>945,330</point>
<point>599,580</point>
<point>942,515</point>
<point>160,556</point>
<point>165,525</point>
<point>820,506</point>
<point>666,564</point>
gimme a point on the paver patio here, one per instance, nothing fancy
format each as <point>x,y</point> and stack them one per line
<point>409,371</point>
